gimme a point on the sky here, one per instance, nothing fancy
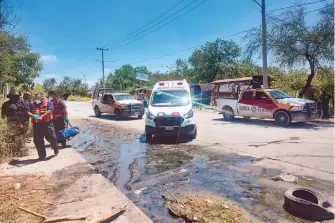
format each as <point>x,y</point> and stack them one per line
<point>66,33</point>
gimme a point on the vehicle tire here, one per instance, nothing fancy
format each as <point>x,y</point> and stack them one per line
<point>228,114</point>
<point>282,118</point>
<point>97,111</point>
<point>118,114</point>
<point>194,135</point>
<point>148,137</point>
<point>140,116</point>
<point>308,204</point>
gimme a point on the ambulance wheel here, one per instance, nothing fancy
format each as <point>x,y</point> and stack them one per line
<point>282,118</point>
<point>97,111</point>
<point>148,137</point>
<point>194,135</point>
<point>228,114</point>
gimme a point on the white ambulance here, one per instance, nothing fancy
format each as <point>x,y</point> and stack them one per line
<point>170,110</point>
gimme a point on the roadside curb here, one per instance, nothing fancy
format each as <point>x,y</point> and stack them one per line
<point>324,121</point>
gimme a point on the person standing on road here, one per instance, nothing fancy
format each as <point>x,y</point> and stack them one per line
<point>60,113</point>
<point>42,120</point>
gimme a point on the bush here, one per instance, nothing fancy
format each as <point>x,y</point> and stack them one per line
<point>78,98</point>
<point>11,146</point>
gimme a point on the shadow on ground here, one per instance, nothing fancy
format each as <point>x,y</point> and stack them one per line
<point>269,123</point>
<point>113,118</point>
<point>20,163</point>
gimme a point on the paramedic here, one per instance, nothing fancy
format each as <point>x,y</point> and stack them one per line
<point>60,113</point>
<point>42,115</point>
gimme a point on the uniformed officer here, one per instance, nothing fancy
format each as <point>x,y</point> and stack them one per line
<point>42,120</point>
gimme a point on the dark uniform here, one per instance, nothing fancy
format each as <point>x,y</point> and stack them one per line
<point>43,128</point>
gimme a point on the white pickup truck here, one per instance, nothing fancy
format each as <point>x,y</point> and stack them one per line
<point>268,103</point>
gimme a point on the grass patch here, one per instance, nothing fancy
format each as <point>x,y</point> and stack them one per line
<point>79,98</point>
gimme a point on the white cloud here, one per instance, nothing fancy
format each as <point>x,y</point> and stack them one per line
<point>49,58</point>
<point>107,70</point>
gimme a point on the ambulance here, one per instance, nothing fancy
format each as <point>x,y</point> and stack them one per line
<point>170,110</point>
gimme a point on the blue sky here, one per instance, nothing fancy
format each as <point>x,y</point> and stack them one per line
<point>64,31</point>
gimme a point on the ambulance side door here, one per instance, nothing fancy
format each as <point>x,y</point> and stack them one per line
<point>245,103</point>
<point>264,106</point>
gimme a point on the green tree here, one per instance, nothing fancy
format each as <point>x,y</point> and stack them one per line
<point>214,60</point>
<point>49,84</point>
<point>294,43</point>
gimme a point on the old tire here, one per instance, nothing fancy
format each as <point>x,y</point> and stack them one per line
<point>118,114</point>
<point>228,114</point>
<point>97,111</point>
<point>307,204</point>
<point>282,118</point>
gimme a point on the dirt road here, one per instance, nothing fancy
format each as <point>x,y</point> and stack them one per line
<point>235,160</point>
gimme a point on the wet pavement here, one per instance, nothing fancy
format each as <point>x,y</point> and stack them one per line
<point>147,174</point>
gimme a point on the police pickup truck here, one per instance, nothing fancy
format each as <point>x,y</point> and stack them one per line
<point>117,103</point>
<point>268,103</point>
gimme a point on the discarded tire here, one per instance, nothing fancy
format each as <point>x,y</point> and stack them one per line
<point>307,204</point>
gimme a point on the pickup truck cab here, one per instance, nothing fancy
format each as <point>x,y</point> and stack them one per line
<point>268,103</point>
<point>119,104</point>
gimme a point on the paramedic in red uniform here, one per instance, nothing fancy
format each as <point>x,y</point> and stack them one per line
<point>60,113</point>
<point>41,112</point>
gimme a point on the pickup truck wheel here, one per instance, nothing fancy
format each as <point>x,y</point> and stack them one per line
<point>97,111</point>
<point>140,116</point>
<point>282,118</point>
<point>118,114</point>
<point>228,114</point>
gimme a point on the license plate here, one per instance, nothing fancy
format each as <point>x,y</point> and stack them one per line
<point>169,128</point>
<point>136,114</point>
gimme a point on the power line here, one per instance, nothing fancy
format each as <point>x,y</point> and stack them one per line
<point>298,5</point>
<point>122,39</point>
<point>185,7</point>
<point>160,16</point>
<point>165,24</point>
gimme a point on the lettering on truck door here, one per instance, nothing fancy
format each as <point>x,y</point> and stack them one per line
<point>264,106</point>
<point>245,104</point>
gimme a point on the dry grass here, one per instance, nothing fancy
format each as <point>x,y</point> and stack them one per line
<point>207,209</point>
<point>79,98</point>
<point>29,191</point>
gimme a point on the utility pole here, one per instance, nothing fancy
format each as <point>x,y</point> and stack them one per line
<point>103,65</point>
<point>265,57</point>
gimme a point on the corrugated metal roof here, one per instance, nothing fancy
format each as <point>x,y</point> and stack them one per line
<point>240,79</point>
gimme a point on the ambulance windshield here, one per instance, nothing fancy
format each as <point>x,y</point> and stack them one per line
<point>170,98</point>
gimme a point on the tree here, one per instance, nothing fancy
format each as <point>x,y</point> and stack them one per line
<point>214,60</point>
<point>49,84</point>
<point>293,42</point>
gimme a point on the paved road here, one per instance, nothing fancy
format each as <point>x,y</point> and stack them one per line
<point>301,148</point>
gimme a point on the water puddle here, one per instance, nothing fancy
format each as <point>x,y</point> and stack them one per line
<point>83,140</point>
<point>128,154</point>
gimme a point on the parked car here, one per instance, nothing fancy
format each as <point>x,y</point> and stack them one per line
<point>116,103</point>
<point>268,103</point>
